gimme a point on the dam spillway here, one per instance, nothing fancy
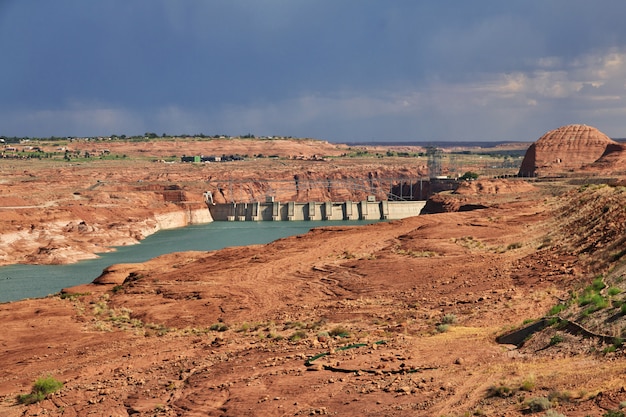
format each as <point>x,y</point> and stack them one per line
<point>373,198</point>
<point>300,211</point>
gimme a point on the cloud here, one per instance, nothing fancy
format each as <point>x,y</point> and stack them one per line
<point>79,119</point>
<point>495,106</point>
<point>343,71</point>
<point>589,89</point>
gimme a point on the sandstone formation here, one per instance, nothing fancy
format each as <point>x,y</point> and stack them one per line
<point>612,160</point>
<point>567,149</point>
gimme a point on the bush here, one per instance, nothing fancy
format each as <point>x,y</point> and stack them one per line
<point>539,404</point>
<point>219,327</point>
<point>502,391</point>
<point>552,321</point>
<point>298,335</point>
<point>442,328</point>
<point>599,302</point>
<point>528,384</point>
<point>609,349</point>
<point>556,339</point>
<point>449,319</point>
<point>556,309</point>
<point>41,388</point>
<point>596,300</point>
<point>598,284</point>
<point>614,291</point>
<point>339,331</point>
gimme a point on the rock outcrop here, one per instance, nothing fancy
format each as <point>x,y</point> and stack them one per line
<point>567,149</point>
<point>612,160</point>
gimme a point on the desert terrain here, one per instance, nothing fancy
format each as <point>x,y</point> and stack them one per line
<point>397,318</point>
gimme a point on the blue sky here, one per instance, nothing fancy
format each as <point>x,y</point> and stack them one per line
<point>339,70</point>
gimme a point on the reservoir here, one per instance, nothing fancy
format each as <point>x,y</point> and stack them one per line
<point>32,281</point>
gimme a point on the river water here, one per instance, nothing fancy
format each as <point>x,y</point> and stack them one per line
<point>32,281</point>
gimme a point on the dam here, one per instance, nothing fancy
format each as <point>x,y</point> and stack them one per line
<point>270,210</point>
<point>299,199</point>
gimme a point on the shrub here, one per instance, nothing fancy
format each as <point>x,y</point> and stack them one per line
<point>552,321</point>
<point>449,319</point>
<point>560,396</point>
<point>598,284</point>
<point>539,404</point>
<point>219,327</point>
<point>298,335</point>
<point>556,309</point>
<point>585,299</point>
<point>599,302</point>
<point>295,325</point>
<point>159,329</point>
<point>556,339</point>
<point>502,391</point>
<point>528,384</point>
<point>442,328</point>
<point>515,245</point>
<point>613,413</point>
<point>614,291</point>
<point>41,388</point>
<point>339,331</point>
<point>609,349</point>
<point>72,296</point>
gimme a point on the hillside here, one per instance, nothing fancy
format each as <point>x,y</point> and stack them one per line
<point>395,319</point>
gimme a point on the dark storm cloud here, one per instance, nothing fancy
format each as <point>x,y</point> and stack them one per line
<point>340,70</point>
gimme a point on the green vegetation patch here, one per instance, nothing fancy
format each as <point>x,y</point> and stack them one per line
<point>41,389</point>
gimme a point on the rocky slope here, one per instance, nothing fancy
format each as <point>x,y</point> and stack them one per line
<point>64,214</point>
<point>396,318</point>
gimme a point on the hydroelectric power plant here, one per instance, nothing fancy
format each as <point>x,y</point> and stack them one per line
<point>370,199</point>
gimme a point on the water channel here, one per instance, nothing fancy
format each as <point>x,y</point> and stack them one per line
<point>18,282</point>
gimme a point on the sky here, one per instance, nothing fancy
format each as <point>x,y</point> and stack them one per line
<point>336,70</point>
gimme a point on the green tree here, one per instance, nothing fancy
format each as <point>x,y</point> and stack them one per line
<point>469,175</point>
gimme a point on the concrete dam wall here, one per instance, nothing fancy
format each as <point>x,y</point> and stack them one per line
<point>295,211</point>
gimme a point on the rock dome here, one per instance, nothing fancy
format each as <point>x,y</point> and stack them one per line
<point>566,149</point>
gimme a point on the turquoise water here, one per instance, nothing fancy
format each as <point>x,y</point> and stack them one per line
<point>31,281</point>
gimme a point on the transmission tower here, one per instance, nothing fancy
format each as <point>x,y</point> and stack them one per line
<point>433,162</point>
